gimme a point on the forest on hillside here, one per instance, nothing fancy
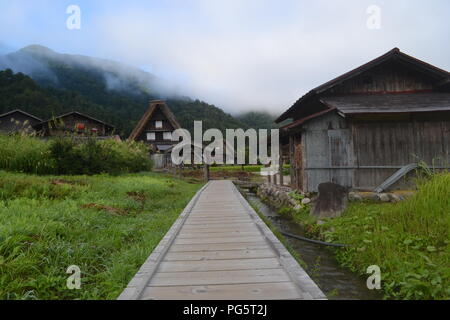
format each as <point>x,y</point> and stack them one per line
<point>110,91</point>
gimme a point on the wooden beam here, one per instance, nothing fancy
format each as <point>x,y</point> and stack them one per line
<point>206,172</point>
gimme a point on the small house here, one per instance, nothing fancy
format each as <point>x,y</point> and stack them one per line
<point>18,121</point>
<point>375,121</point>
<point>75,124</point>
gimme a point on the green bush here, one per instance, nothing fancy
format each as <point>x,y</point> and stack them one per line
<point>72,156</point>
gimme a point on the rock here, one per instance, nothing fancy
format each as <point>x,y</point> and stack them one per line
<point>353,196</point>
<point>384,197</point>
<point>375,197</point>
<point>306,200</point>
<point>331,202</point>
<point>394,198</point>
<point>298,207</point>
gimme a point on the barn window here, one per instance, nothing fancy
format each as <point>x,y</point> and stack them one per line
<point>158,125</point>
<point>80,126</point>
<point>167,135</point>
<point>151,136</point>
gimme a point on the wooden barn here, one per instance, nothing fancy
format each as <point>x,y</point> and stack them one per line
<point>75,123</point>
<point>18,121</point>
<point>364,126</point>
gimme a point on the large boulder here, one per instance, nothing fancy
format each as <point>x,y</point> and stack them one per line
<point>331,202</point>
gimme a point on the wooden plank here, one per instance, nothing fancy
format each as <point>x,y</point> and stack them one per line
<point>251,291</point>
<point>219,229</point>
<point>219,265</point>
<point>219,246</point>
<point>220,240</point>
<point>219,277</point>
<point>224,225</point>
<point>220,221</point>
<point>222,255</point>
<point>191,234</point>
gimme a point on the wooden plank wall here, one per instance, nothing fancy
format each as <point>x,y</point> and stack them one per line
<point>398,144</point>
<point>326,143</point>
<point>332,141</point>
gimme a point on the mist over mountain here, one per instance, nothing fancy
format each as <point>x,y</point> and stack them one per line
<point>111,91</point>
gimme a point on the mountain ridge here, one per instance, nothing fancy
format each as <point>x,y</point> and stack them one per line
<point>107,89</point>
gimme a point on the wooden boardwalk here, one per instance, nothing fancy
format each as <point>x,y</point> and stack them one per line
<point>220,249</point>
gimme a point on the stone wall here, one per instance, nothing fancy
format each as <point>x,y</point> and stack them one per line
<point>282,196</point>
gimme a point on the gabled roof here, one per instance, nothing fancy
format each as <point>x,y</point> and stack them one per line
<point>390,55</point>
<point>79,114</point>
<point>22,112</point>
<point>154,105</point>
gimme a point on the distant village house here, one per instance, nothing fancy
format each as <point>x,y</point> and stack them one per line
<point>155,129</point>
<point>74,123</point>
<point>156,126</point>
<point>17,121</point>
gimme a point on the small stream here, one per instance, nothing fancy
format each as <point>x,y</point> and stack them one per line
<point>336,282</point>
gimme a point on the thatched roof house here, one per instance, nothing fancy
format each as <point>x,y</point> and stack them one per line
<point>156,126</point>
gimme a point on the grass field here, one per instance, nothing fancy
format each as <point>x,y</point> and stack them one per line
<point>409,241</point>
<point>105,225</point>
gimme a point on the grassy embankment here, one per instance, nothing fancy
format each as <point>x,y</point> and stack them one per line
<point>408,240</point>
<point>105,225</point>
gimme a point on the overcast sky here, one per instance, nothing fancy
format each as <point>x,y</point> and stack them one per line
<point>237,54</point>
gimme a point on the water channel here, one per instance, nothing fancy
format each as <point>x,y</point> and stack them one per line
<point>335,281</point>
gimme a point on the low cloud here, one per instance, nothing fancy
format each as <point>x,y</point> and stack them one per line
<point>247,55</point>
<point>240,55</point>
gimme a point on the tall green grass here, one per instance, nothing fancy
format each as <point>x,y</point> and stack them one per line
<point>408,240</point>
<point>106,225</point>
<point>22,153</point>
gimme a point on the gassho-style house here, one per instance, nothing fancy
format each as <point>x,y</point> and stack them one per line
<point>369,124</point>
